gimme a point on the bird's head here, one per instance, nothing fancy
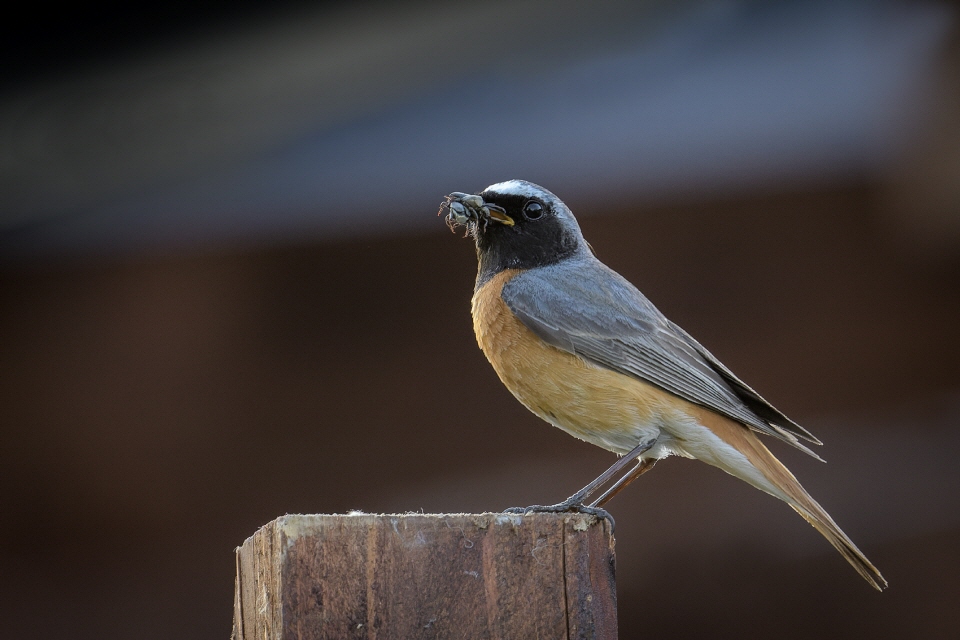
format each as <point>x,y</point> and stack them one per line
<point>516,225</point>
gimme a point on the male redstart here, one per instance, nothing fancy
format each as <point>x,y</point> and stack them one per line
<point>583,349</point>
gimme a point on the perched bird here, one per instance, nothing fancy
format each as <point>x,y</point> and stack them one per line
<point>582,348</point>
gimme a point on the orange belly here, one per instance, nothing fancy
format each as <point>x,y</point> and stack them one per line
<point>598,405</point>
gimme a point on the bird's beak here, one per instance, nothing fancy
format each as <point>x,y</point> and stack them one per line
<point>497,213</point>
<point>464,208</point>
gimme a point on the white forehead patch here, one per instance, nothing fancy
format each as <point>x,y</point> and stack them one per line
<point>519,188</point>
<point>530,190</point>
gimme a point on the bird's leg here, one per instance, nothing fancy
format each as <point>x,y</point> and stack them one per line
<point>575,502</point>
<point>642,467</point>
<point>577,499</point>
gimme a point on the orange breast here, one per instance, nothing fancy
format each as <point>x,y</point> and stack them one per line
<point>598,405</point>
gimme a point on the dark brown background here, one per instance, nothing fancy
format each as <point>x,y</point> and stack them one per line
<point>157,407</point>
<point>158,411</point>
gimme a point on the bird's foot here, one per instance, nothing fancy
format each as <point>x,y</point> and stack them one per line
<point>566,506</point>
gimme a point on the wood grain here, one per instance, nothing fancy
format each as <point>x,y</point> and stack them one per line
<point>427,576</point>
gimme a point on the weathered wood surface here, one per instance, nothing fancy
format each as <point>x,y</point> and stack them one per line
<point>427,576</point>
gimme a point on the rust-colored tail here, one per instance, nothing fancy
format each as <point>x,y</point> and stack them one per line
<point>822,522</point>
<point>782,484</point>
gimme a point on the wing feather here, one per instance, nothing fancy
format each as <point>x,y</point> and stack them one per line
<point>615,326</point>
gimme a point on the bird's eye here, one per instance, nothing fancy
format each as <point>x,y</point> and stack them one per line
<point>533,210</point>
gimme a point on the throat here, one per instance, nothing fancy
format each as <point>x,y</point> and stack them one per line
<point>488,267</point>
<point>496,257</point>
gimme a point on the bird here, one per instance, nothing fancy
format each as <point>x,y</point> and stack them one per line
<point>586,351</point>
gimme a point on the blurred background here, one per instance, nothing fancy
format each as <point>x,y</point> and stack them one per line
<point>225,294</point>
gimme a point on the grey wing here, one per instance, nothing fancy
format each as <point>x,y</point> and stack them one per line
<point>598,315</point>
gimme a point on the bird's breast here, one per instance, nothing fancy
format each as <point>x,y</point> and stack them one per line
<point>595,404</point>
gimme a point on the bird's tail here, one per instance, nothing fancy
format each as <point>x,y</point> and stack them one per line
<point>774,478</point>
<point>822,522</point>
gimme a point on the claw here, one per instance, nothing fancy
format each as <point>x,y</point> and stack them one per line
<point>563,507</point>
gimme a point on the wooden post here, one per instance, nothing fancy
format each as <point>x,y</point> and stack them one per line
<point>488,575</point>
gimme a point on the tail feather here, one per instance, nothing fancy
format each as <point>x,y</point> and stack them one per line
<point>779,482</point>
<point>823,523</point>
